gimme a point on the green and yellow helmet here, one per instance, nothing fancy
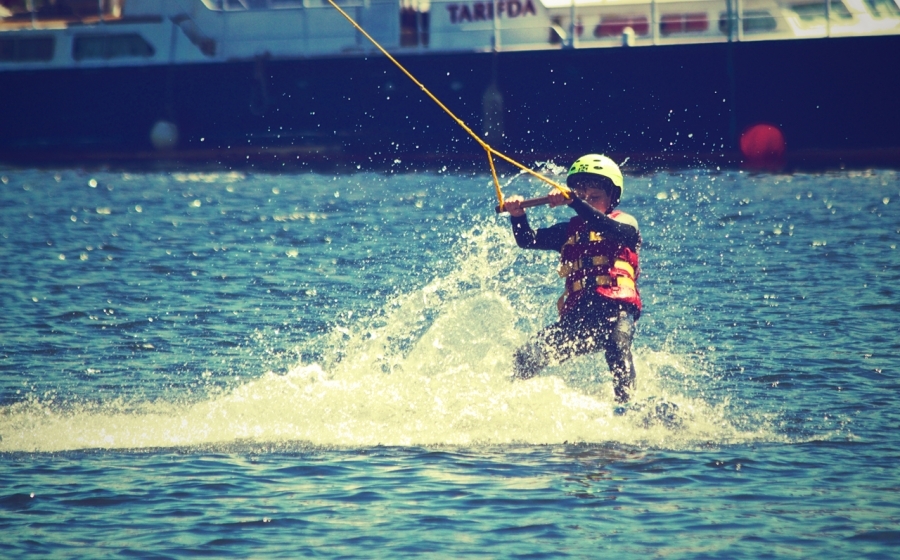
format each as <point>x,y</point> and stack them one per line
<point>592,165</point>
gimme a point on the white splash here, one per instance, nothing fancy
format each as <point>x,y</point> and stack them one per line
<point>433,368</point>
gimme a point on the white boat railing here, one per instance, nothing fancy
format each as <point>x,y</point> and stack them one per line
<point>660,23</point>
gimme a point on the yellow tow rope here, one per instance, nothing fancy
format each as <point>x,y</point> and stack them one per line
<point>491,152</point>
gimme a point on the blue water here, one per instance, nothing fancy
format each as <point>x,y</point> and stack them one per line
<point>232,364</point>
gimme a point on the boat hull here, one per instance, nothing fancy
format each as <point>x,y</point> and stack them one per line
<point>834,101</point>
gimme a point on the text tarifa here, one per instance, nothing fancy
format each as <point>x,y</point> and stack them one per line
<point>483,11</point>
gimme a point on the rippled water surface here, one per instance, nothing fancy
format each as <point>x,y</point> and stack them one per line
<point>258,365</point>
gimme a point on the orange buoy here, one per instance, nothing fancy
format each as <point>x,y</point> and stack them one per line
<point>763,147</point>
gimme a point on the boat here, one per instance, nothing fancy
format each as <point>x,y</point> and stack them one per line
<point>282,83</point>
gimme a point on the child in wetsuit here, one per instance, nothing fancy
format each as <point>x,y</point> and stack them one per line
<point>599,261</point>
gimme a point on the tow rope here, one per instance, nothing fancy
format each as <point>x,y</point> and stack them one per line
<point>491,152</point>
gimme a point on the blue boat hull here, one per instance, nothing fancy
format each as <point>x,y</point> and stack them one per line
<point>834,100</point>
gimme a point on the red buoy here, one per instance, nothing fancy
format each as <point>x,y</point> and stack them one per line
<point>763,147</point>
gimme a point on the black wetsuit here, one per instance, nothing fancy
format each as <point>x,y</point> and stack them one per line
<point>596,322</point>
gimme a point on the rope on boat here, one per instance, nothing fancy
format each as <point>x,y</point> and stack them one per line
<point>491,152</point>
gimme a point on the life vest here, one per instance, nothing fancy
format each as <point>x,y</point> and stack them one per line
<point>590,261</point>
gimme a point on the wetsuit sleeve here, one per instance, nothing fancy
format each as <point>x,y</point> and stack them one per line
<point>549,239</point>
<point>626,233</point>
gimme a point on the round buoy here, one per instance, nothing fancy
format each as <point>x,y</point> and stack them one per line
<point>164,135</point>
<point>763,146</point>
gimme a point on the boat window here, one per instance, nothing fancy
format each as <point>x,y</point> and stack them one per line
<point>614,26</point>
<point>125,45</point>
<point>27,49</point>
<point>752,21</point>
<point>883,8</point>
<point>60,10</point>
<point>812,11</point>
<point>695,22</point>
<point>286,3</point>
<point>248,4</point>
<point>414,24</point>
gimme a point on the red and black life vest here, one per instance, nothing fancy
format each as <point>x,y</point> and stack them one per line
<point>588,260</point>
